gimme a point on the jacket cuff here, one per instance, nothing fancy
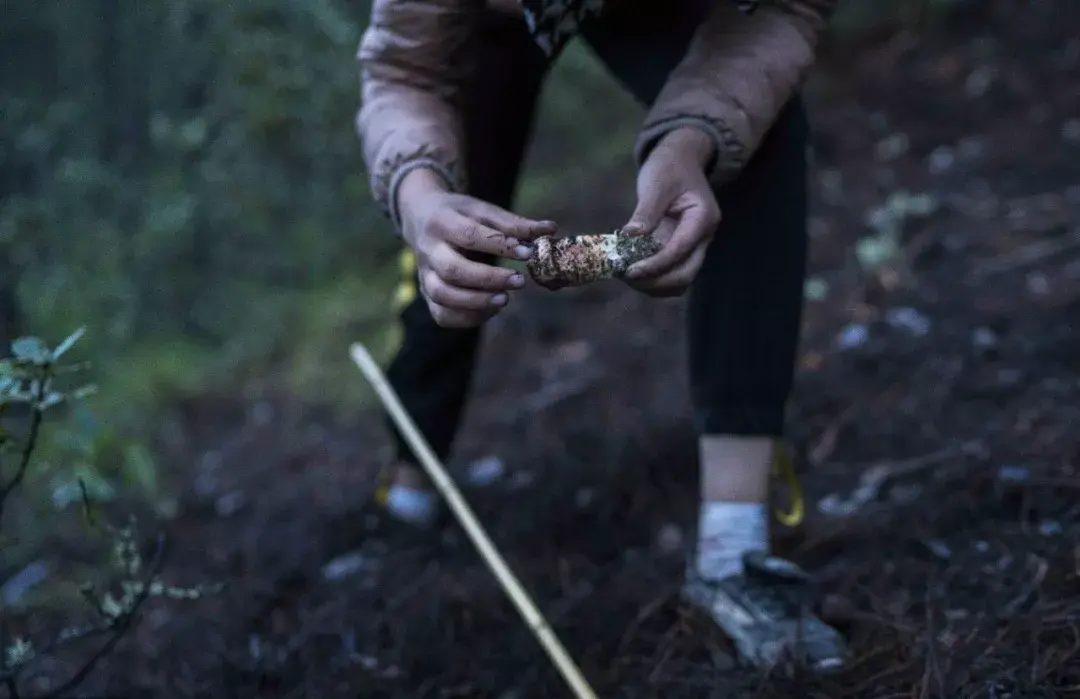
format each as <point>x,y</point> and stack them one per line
<point>387,180</point>
<point>730,156</point>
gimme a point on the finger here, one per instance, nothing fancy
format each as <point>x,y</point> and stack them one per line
<point>510,224</point>
<point>467,234</point>
<point>651,207</point>
<point>676,281</point>
<point>457,270</point>
<point>452,318</point>
<point>458,299</point>
<point>664,230</point>
<point>695,226</point>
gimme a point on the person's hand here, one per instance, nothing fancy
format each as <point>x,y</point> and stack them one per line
<point>447,232</point>
<point>675,203</point>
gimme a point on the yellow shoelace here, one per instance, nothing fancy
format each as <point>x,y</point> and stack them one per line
<point>382,488</point>
<point>783,467</point>
<point>405,291</point>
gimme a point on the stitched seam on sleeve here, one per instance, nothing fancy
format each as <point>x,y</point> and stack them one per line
<point>392,171</point>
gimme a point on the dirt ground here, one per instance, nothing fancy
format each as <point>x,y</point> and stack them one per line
<point>946,383</point>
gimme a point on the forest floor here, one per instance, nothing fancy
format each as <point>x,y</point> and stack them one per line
<point>938,397</point>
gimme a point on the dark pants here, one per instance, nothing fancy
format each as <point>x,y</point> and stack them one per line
<point>746,303</point>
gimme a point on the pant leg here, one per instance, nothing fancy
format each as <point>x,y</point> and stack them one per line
<point>745,306</point>
<point>433,368</point>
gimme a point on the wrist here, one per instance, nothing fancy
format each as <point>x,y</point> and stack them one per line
<point>418,183</point>
<point>417,186</point>
<point>690,142</point>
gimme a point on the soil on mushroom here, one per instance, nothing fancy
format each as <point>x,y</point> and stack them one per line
<point>956,582</point>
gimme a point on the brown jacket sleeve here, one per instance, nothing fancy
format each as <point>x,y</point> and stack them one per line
<point>413,61</point>
<point>739,72</point>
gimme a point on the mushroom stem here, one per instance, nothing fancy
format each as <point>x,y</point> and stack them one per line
<point>583,259</point>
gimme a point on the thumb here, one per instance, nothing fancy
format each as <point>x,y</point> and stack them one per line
<point>651,207</point>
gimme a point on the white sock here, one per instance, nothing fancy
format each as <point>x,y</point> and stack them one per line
<point>726,531</point>
<point>414,505</point>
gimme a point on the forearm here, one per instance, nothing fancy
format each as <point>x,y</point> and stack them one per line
<point>739,72</point>
<point>421,182</point>
<point>412,69</point>
<point>399,141</point>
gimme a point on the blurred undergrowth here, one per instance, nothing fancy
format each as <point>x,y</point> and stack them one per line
<point>33,385</point>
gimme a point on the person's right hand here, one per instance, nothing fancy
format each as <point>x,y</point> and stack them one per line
<point>447,232</point>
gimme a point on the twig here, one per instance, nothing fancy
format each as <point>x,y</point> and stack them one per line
<point>526,607</point>
<point>643,614</point>
<point>826,443</point>
<point>876,478</point>
<point>27,450</point>
<point>1028,591</point>
<point>11,686</point>
<point>933,662</point>
<point>119,628</point>
<point>1027,255</point>
<point>116,629</point>
<point>10,679</point>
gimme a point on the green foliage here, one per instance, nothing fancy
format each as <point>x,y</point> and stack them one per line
<point>187,196</point>
<point>32,379</point>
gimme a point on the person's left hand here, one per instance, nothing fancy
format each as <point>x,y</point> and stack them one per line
<point>674,199</point>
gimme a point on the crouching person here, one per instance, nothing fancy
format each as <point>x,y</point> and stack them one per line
<point>449,90</point>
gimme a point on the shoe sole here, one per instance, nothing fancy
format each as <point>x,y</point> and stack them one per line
<point>766,653</point>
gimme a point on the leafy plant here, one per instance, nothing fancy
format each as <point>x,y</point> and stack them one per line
<point>31,386</point>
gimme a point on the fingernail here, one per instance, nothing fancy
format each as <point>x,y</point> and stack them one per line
<point>523,251</point>
<point>499,300</point>
<point>517,280</point>
<point>631,273</point>
<point>511,241</point>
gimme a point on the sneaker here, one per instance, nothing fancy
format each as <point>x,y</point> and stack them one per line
<point>479,487</point>
<point>419,516</point>
<point>766,613</point>
<point>373,528</point>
